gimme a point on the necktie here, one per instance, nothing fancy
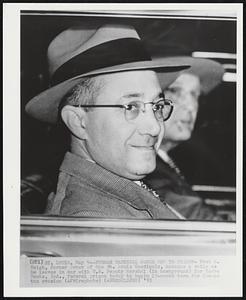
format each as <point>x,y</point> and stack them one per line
<point>143,185</point>
<point>154,193</point>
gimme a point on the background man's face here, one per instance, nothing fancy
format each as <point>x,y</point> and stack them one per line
<point>127,148</point>
<point>184,93</point>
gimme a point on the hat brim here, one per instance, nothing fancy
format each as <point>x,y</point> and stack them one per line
<point>44,107</point>
<point>209,71</point>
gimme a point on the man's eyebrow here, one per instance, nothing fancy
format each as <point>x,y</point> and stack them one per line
<point>133,95</point>
<point>169,88</point>
<point>140,95</point>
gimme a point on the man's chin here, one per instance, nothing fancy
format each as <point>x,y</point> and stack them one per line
<point>182,137</point>
<point>140,166</point>
<point>143,172</point>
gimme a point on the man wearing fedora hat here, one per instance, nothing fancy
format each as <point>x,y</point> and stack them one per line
<point>105,90</point>
<point>167,179</point>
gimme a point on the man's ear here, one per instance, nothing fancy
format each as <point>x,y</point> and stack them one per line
<point>74,118</point>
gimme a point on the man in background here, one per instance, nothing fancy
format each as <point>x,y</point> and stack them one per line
<point>167,179</point>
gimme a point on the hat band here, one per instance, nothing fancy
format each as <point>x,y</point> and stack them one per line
<point>107,54</point>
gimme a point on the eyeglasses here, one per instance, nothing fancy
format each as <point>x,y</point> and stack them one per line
<point>162,109</point>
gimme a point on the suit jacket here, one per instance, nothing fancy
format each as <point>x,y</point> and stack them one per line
<point>86,189</point>
<point>173,188</point>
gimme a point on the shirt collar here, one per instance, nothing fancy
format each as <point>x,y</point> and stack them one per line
<point>163,155</point>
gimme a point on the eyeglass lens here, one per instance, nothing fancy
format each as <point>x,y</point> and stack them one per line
<point>162,110</point>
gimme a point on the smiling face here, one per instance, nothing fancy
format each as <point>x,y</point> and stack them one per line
<point>184,93</point>
<point>127,148</point>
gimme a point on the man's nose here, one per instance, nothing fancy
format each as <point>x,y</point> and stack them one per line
<point>148,124</point>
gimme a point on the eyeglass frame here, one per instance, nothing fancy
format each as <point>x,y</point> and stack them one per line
<point>166,102</point>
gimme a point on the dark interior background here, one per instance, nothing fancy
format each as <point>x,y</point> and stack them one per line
<point>207,158</point>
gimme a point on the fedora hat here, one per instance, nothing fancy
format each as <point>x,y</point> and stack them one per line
<point>86,51</point>
<point>209,71</point>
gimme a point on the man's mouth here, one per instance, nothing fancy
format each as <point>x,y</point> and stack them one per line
<point>144,147</point>
<point>184,123</point>
<point>149,144</point>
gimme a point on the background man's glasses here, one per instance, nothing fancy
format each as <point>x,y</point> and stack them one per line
<point>162,109</point>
